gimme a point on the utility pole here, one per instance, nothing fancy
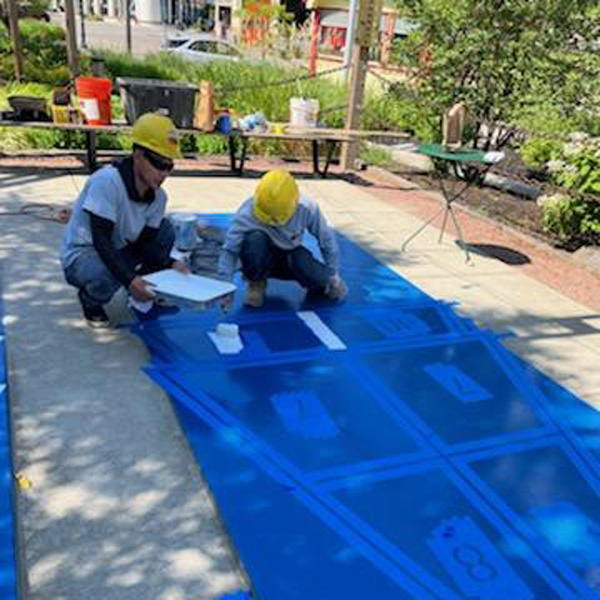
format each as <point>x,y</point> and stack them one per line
<point>72,54</point>
<point>15,34</point>
<point>128,25</point>
<point>367,33</point>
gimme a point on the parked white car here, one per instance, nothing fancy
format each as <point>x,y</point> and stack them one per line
<point>201,47</point>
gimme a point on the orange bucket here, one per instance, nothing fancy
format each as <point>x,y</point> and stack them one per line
<point>94,99</point>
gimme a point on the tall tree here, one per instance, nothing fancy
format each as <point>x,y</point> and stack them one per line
<point>496,55</point>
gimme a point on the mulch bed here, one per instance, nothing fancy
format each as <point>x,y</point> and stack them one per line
<point>518,212</point>
<point>521,213</point>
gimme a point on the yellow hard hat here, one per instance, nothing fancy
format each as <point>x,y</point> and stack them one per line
<point>157,133</point>
<point>275,198</point>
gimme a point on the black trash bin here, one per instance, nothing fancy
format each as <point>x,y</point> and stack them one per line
<point>172,98</point>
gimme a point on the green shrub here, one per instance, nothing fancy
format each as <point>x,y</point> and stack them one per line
<point>375,155</point>
<point>569,217</point>
<point>578,165</point>
<point>44,53</point>
<point>536,152</point>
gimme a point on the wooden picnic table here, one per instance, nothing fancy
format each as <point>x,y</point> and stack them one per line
<point>237,140</point>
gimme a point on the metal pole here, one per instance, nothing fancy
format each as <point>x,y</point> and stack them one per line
<point>350,33</point>
<point>128,25</point>
<point>82,19</point>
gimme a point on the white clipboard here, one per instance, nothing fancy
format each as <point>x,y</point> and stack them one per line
<point>188,288</point>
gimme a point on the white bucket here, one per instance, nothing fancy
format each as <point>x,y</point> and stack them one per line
<point>304,112</point>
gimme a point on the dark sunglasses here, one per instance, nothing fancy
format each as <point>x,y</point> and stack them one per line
<point>158,162</point>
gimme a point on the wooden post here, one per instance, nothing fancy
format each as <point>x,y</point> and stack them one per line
<point>128,25</point>
<point>72,53</point>
<point>358,74</point>
<point>388,38</point>
<point>15,34</point>
<point>367,33</point>
<point>82,23</point>
<point>315,28</point>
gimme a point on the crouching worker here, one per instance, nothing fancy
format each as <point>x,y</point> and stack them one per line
<point>266,236</point>
<point>117,231</point>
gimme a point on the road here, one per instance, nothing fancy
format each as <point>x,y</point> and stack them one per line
<point>111,34</point>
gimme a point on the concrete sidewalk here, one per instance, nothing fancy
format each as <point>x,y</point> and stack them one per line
<point>118,508</point>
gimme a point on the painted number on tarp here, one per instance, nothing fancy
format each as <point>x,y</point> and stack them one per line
<point>473,562</point>
<point>303,413</point>
<point>458,383</point>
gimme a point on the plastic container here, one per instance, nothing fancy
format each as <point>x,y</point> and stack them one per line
<point>61,114</point>
<point>223,122</point>
<point>255,122</point>
<point>304,112</point>
<point>185,231</point>
<point>174,99</point>
<point>94,99</point>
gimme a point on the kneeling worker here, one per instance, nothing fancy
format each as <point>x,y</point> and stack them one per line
<point>266,236</point>
<point>117,231</point>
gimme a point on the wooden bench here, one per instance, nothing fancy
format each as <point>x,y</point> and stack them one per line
<point>237,140</point>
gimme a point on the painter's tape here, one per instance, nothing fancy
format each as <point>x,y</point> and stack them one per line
<point>316,325</point>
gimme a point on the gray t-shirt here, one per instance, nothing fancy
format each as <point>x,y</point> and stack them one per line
<point>105,195</point>
<point>308,217</point>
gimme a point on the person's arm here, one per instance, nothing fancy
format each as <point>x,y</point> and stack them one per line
<point>102,230</point>
<point>230,252</point>
<point>317,226</point>
<point>102,239</point>
<point>145,245</point>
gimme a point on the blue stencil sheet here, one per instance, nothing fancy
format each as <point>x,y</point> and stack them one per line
<point>546,491</point>
<point>459,392</point>
<point>277,527</point>
<point>405,466</point>
<point>181,338</point>
<point>8,565</point>
<point>472,550</point>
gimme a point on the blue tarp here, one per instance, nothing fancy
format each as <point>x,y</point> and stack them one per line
<point>422,461</point>
<point>8,570</point>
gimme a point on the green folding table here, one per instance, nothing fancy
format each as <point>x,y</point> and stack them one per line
<point>469,167</point>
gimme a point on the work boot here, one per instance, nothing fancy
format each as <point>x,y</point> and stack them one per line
<point>336,288</point>
<point>94,315</point>
<point>255,293</point>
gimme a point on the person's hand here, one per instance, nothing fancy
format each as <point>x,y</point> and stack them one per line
<point>141,290</point>
<point>336,287</point>
<point>180,267</point>
<point>226,302</point>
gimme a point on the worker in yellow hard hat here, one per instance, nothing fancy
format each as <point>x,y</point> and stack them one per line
<point>117,231</point>
<point>266,237</point>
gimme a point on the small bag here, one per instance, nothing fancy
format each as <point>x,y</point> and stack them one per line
<point>453,126</point>
<point>205,113</point>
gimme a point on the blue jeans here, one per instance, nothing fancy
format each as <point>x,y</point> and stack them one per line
<point>96,283</point>
<point>262,259</point>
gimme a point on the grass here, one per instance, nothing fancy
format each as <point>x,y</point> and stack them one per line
<point>243,87</point>
<point>375,155</point>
